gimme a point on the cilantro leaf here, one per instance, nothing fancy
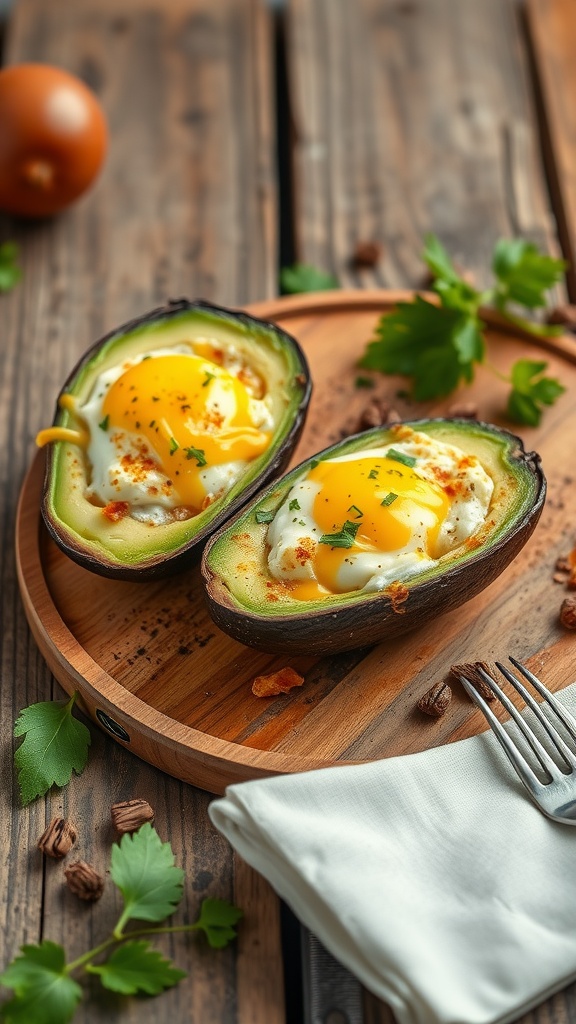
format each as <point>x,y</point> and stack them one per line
<point>217,920</point>
<point>55,745</point>
<point>524,274</point>
<point>196,453</point>
<point>302,277</point>
<point>43,992</point>
<point>143,869</point>
<point>530,391</point>
<point>137,967</point>
<point>438,260</point>
<point>10,272</point>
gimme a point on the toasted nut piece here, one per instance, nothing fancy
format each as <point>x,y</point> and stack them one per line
<point>565,315</point>
<point>278,682</point>
<point>366,254</point>
<point>471,672</point>
<point>58,839</point>
<point>84,881</point>
<point>129,815</point>
<point>375,414</point>
<point>568,613</point>
<point>435,702</point>
<point>463,411</point>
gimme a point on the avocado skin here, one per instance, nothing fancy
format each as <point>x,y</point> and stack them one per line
<point>371,619</point>
<point>164,565</point>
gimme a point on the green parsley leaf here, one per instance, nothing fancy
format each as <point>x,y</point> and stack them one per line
<point>10,272</point>
<point>422,341</point>
<point>438,346</point>
<point>354,508</point>
<point>530,391</point>
<point>302,277</point>
<point>262,516</point>
<point>314,463</point>
<point>137,967</point>
<point>104,423</point>
<point>143,869</point>
<point>396,456</point>
<point>55,745</point>
<point>43,992</point>
<point>217,920</point>
<point>390,497</point>
<point>524,274</point>
<point>198,454</point>
<point>174,446</point>
<point>209,376</point>
<point>373,474</point>
<point>294,505</point>
<point>344,538</point>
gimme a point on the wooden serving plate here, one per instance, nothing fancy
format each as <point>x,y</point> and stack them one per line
<point>153,670</point>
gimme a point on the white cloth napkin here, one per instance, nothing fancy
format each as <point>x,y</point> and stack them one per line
<point>432,877</point>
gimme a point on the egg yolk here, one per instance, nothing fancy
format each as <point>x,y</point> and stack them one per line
<point>193,413</point>
<point>370,504</point>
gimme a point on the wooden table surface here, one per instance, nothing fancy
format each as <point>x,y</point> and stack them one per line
<point>242,138</point>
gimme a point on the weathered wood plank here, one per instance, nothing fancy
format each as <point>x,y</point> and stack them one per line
<point>411,117</point>
<point>552,28</point>
<point>186,206</point>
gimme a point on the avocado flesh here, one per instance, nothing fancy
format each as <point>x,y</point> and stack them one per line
<point>132,549</point>
<point>245,600</point>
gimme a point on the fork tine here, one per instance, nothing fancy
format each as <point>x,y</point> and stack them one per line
<point>564,715</point>
<point>540,752</point>
<point>515,756</point>
<point>562,748</point>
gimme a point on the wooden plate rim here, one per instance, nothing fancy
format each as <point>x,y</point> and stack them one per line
<point>102,687</point>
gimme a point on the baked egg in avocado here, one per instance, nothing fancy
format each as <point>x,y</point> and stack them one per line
<point>374,536</point>
<point>164,429</point>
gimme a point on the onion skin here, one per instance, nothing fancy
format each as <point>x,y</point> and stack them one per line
<point>53,139</point>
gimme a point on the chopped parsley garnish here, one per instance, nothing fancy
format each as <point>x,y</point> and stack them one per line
<point>294,505</point>
<point>390,497</point>
<point>439,344</point>
<point>262,516</point>
<point>198,454</point>
<point>344,538</point>
<point>373,474</point>
<point>314,463</point>
<point>359,512</point>
<point>406,460</point>
<point>104,423</point>
<point>209,377</point>
<point>174,446</point>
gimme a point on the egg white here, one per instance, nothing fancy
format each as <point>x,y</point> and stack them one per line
<point>372,571</point>
<point>154,498</point>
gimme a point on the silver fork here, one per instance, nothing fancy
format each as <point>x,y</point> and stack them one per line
<point>556,796</point>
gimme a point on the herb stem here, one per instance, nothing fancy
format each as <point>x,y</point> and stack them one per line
<point>92,954</point>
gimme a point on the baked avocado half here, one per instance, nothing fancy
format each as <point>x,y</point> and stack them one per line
<point>374,536</point>
<point>164,429</point>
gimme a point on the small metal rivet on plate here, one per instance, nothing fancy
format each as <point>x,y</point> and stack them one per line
<point>116,729</point>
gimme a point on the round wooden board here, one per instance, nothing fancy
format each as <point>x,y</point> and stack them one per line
<point>153,669</point>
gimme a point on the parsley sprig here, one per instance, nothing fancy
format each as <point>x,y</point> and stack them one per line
<point>10,271</point>
<point>55,745</point>
<point>151,887</point>
<point>438,345</point>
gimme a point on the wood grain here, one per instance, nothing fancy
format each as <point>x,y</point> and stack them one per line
<point>552,28</point>
<point>186,205</point>
<point>412,117</point>
<point>149,655</point>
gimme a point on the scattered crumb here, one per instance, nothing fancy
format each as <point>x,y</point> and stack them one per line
<point>278,682</point>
